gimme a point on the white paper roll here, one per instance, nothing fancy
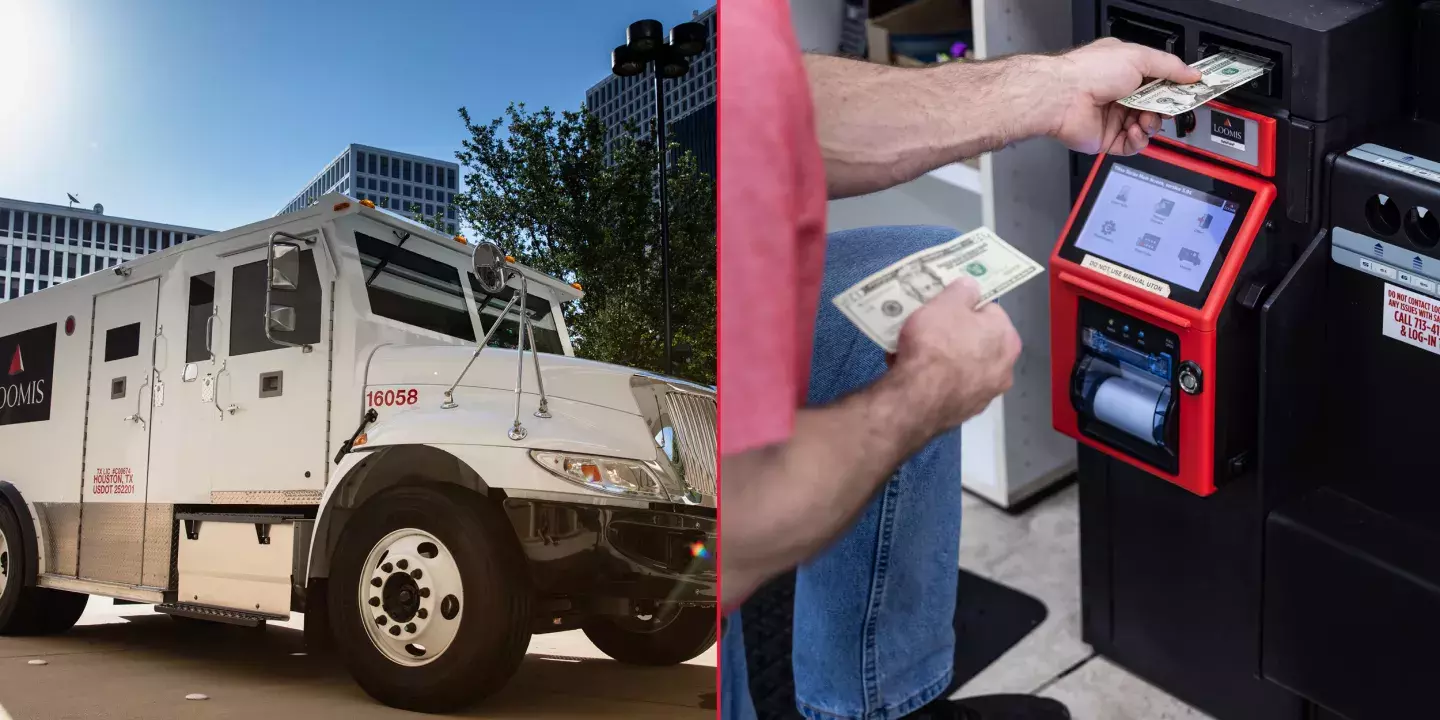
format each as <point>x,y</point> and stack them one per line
<point>1128,405</point>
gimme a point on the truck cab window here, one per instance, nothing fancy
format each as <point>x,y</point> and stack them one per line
<point>202,305</point>
<point>408,287</point>
<point>538,306</point>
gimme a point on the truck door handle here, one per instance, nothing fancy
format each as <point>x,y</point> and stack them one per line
<point>139,399</point>
<point>210,336</point>
<point>215,396</point>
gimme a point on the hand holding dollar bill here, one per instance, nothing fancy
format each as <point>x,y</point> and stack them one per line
<point>880,304</point>
<point>1220,73</point>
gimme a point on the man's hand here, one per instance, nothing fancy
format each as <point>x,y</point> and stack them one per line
<point>960,357</point>
<point>1091,78</point>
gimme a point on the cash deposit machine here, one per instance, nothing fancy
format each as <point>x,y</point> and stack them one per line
<point>1245,345</point>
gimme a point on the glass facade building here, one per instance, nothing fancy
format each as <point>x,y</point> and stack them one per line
<point>393,180</point>
<point>618,100</point>
<point>43,245</point>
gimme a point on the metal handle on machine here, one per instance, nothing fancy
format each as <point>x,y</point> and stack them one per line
<point>269,268</point>
<point>1080,283</point>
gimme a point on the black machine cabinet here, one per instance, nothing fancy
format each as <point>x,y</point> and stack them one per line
<point>1308,587</point>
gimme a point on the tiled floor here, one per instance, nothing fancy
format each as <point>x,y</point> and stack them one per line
<point>1038,552</point>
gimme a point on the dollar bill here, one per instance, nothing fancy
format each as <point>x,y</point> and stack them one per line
<point>1219,74</point>
<point>880,304</point>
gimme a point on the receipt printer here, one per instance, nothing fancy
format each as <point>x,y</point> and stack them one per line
<point>1152,354</point>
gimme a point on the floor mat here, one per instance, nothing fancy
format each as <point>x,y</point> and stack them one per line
<point>990,619</point>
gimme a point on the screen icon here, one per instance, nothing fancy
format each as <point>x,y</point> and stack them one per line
<point>1230,206</point>
<point>1164,207</point>
<point>1148,241</point>
<point>1189,256</point>
<point>1124,195</point>
<point>1205,221</point>
<point>1108,228</point>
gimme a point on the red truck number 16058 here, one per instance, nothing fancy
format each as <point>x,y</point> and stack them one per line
<point>390,398</point>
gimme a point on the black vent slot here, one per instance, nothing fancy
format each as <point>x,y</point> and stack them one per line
<point>1136,28</point>
<point>1267,85</point>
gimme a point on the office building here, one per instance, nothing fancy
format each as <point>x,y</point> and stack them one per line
<point>392,180</point>
<point>618,100</point>
<point>43,245</point>
<point>696,133</point>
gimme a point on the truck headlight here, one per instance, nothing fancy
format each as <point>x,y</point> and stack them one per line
<point>610,475</point>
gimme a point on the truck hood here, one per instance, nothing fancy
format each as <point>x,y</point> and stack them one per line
<point>565,377</point>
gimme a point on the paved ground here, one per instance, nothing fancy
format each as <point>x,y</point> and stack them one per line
<point>128,662</point>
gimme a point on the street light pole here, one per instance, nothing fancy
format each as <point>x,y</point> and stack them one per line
<point>645,44</point>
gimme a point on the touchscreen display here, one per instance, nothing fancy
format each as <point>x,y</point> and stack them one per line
<point>1156,226</point>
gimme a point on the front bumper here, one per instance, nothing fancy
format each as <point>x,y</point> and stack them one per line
<point>665,553</point>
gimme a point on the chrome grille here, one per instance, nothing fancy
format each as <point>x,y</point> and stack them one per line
<point>693,417</point>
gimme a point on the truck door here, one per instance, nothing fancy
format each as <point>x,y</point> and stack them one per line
<point>272,392</point>
<point>117,435</point>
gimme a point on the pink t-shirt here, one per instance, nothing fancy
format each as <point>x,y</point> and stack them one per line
<point>772,225</point>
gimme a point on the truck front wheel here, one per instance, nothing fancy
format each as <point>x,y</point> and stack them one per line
<point>664,636</point>
<point>429,598</point>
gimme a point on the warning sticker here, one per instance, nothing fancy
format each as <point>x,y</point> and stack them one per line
<point>1412,318</point>
<point>1127,276</point>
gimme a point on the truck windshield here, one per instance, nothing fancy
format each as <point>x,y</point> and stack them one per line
<point>408,287</point>
<point>538,307</point>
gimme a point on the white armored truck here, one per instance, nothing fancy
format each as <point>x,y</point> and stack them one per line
<point>332,412</point>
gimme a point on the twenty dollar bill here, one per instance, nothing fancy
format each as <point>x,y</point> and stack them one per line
<point>880,304</point>
<point>1219,74</point>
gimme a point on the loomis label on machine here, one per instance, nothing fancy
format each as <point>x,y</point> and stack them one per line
<point>1412,318</point>
<point>113,481</point>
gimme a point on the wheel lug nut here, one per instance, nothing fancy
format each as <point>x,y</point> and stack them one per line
<point>387,567</point>
<point>381,620</point>
<point>376,582</point>
<point>374,602</point>
<point>423,613</point>
<point>416,573</point>
<point>395,630</point>
<point>402,564</point>
<point>410,627</point>
<point>424,592</point>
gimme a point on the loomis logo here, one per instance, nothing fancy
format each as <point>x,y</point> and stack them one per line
<point>1227,130</point>
<point>25,389</point>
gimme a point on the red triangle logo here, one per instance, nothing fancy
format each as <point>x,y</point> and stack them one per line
<point>17,363</point>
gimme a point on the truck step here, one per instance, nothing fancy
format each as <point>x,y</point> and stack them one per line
<point>212,614</point>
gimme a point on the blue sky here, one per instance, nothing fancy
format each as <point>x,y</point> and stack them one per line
<point>213,114</point>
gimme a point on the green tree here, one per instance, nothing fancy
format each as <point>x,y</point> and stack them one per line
<point>539,185</point>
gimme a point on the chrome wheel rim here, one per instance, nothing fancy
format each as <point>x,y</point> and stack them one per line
<point>411,598</point>
<point>4,563</point>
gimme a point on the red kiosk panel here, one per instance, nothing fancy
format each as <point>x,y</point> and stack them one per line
<point>1146,262</point>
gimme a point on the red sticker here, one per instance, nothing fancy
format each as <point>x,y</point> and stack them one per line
<point>112,481</point>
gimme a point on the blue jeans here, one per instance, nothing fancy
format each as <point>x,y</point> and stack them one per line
<point>873,631</point>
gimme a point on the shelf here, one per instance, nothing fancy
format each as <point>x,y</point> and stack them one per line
<point>961,175</point>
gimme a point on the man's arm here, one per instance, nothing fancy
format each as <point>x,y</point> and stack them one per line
<point>784,503</point>
<point>880,126</point>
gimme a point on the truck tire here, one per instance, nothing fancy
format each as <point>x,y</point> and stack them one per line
<point>430,598</point>
<point>22,609</point>
<point>689,633</point>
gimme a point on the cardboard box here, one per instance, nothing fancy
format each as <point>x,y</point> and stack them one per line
<point>914,33</point>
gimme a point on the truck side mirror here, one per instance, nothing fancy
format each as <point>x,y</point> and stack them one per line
<point>284,266</point>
